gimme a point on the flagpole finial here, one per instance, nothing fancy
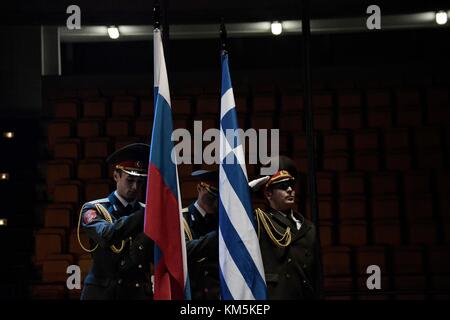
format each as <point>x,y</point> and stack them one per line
<point>223,36</point>
<point>156,15</point>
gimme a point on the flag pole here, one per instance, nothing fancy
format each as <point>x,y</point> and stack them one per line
<point>306,35</point>
<point>223,37</point>
<point>156,15</point>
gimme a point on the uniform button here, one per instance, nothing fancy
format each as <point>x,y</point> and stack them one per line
<point>206,290</point>
<point>119,281</point>
<point>140,266</point>
<point>304,281</point>
<point>305,266</point>
<point>289,260</point>
<point>122,263</point>
<point>137,285</point>
<point>206,273</point>
<point>288,275</point>
<point>141,247</point>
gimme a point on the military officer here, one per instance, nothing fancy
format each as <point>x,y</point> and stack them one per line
<point>287,240</point>
<point>201,227</point>
<point>121,252</point>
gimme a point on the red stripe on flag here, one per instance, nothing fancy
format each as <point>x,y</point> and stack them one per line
<point>162,224</point>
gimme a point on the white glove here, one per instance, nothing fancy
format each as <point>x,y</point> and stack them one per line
<point>257,183</point>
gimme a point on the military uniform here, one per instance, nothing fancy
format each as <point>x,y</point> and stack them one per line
<point>120,250</point>
<point>291,271</point>
<point>202,247</point>
<point>117,275</point>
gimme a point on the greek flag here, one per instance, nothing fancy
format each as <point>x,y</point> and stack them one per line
<point>241,268</point>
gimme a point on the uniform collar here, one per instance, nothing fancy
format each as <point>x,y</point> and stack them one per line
<point>123,201</point>
<point>199,209</point>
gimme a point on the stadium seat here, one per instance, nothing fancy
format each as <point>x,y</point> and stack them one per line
<point>67,149</point>
<point>367,161</point>
<point>58,216</point>
<point>95,108</point>
<point>58,129</point>
<point>90,128</point>
<point>58,170</point>
<point>336,261</point>
<point>66,109</point>
<point>91,169</point>
<point>123,107</point>
<point>68,191</point>
<point>118,127</point>
<point>384,183</point>
<point>387,232</point>
<point>97,148</point>
<point>143,127</point>
<point>351,183</point>
<point>353,233</point>
<point>385,207</point>
<point>408,260</point>
<point>366,140</point>
<point>292,103</point>
<point>352,208</point>
<point>97,189</point>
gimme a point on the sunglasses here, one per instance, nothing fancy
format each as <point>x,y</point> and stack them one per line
<point>284,185</point>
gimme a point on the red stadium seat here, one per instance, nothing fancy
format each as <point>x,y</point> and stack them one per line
<point>419,206</point>
<point>264,103</point>
<point>90,128</point>
<point>292,103</point>
<point>385,207</point>
<point>398,160</point>
<point>352,208</point>
<point>351,183</point>
<point>143,127</point>
<point>68,192</point>
<point>97,189</point>
<point>350,118</point>
<point>91,169</point>
<point>387,232</point>
<point>123,107</point>
<point>66,109</point>
<point>408,260</point>
<point>335,141</point>
<point>353,233</point>
<point>57,216</point>
<point>325,183</point>
<point>367,161</point>
<point>95,108</point>
<point>336,161</point>
<point>97,148</point>
<point>384,183</point>
<point>422,232</point>
<point>207,105</point>
<point>336,261</point>
<point>182,106</point>
<point>366,140</point>
<point>59,129</point>
<point>396,139</point>
<point>366,256</point>
<point>67,149</point>
<point>58,170</point>
<point>117,127</point>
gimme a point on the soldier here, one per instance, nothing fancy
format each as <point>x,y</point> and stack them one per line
<point>120,250</point>
<point>288,242</point>
<point>201,226</point>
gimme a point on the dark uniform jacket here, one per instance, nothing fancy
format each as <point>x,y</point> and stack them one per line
<point>124,275</point>
<point>291,272</point>
<point>202,254</point>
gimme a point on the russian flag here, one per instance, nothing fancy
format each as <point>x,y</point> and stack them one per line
<point>163,217</point>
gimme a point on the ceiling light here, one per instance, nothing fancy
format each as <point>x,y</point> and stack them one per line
<point>276,28</point>
<point>441,17</point>
<point>113,32</point>
<point>8,134</point>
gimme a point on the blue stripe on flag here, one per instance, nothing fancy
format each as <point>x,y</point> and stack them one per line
<point>241,256</point>
<point>160,154</point>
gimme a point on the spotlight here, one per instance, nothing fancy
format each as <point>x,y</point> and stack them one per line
<point>441,17</point>
<point>8,134</point>
<point>4,176</point>
<point>113,32</point>
<point>276,28</point>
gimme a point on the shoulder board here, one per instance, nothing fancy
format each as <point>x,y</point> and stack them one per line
<point>185,210</point>
<point>142,204</point>
<point>104,200</point>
